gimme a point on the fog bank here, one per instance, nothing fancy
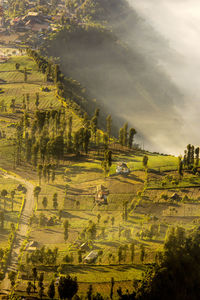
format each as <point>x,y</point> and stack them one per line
<point>178,22</point>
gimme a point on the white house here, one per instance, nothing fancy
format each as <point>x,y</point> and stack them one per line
<point>91,257</point>
<point>122,169</point>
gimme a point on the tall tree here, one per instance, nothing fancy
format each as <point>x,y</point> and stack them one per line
<point>34,273</point>
<point>12,198</point>
<point>51,290</point>
<point>37,191</point>
<point>197,156</point>
<point>125,135</point>
<point>121,135</point>
<point>108,125</point>
<point>180,166</point>
<point>145,161</point>
<point>112,287</point>
<point>55,201</point>
<point>132,248</point>
<point>132,133</point>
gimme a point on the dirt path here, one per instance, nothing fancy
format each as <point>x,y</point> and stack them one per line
<point>22,230</point>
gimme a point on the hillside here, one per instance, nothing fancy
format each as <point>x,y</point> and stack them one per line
<point>105,49</point>
<point>52,213</point>
<point>73,181</point>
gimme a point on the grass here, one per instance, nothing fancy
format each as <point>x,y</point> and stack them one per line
<point>10,217</point>
<point>76,182</point>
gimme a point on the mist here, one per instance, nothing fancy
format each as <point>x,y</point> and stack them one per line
<point>178,23</point>
<point>144,72</point>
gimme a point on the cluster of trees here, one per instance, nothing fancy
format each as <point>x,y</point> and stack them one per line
<point>67,286</point>
<point>48,137</point>
<point>42,256</point>
<point>189,161</point>
<point>191,157</point>
<point>90,232</point>
<point>176,273</point>
<point>126,138</point>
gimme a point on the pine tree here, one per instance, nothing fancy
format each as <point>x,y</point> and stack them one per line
<point>108,126</point>
<point>121,135</point>
<point>132,133</point>
<point>132,248</point>
<point>37,102</point>
<point>197,156</point>
<point>125,135</point>
<point>51,290</point>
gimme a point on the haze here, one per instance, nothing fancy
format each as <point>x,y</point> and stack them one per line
<point>179,23</point>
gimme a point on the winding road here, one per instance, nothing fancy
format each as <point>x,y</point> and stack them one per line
<point>22,230</point>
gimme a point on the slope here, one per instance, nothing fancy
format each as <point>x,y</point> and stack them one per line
<point>105,50</point>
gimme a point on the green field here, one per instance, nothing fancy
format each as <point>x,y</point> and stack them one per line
<point>145,196</point>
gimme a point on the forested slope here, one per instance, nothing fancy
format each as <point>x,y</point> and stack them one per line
<point>104,49</point>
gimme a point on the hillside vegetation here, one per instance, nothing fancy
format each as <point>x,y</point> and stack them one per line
<point>103,47</point>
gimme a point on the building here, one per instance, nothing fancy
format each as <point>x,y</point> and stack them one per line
<point>122,169</point>
<point>101,195</point>
<point>32,246</point>
<point>91,257</point>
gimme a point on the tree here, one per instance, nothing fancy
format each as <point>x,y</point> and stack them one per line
<point>53,176</point>
<point>145,161</point>
<point>180,167</point>
<point>177,274</point>
<point>55,201</point>
<point>60,214</point>
<point>132,133</point>
<point>80,256</point>
<point>107,162</point>
<point>125,207</point>
<point>142,253</point>
<point>17,66</point>
<point>108,125</point>
<point>2,218</point>
<point>125,134</point>
<point>94,126</point>
<point>4,193</point>
<point>92,231</point>
<point>39,171</point>
<point>197,156</point>
<point>98,218</point>
<point>44,202</point>
<point>51,290</point>
<point>41,285</point>
<point>37,98</point>
<point>12,198</point>
<point>86,139</point>
<point>113,221</point>
<point>112,287</point>
<point>12,276</point>
<point>132,248</point>
<point>89,292</point>
<point>69,135</point>
<point>34,273</point>
<point>29,287</point>
<point>121,134</point>
<point>12,105</point>
<point>66,228</point>
<point>67,287</point>
<point>120,254</point>
<point>25,75</point>
<point>36,192</point>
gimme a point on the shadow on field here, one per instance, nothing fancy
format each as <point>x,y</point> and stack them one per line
<point>111,244</point>
<point>71,216</point>
<point>83,269</point>
<point>3,234</point>
<point>79,169</point>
